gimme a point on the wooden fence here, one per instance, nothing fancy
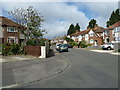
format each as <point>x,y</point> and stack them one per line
<point>33,50</point>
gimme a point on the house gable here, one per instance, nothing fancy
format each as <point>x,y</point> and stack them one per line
<point>91,32</point>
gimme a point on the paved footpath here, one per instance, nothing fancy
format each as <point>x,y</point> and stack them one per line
<point>30,71</point>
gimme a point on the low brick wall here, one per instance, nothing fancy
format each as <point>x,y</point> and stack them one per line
<point>33,50</point>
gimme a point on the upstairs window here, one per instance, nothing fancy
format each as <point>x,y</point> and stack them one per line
<point>11,29</point>
<point>117,29</point>
<point>91,35</point>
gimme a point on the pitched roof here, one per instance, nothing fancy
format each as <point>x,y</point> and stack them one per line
<point>58,38</point>
<point>80,33</point>
<point>7,22</point>
<point>117,24</point>
<point>98,29</point>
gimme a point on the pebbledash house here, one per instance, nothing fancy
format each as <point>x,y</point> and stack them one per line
<point>10,31</point>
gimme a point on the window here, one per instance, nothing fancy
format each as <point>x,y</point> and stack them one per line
<point>107,32</point>
<point>12,40</point>
<point>117,29</point>
<point>117,38</point>
<point>11,29</point>
<point>91,41</point>
<point>91,35</point>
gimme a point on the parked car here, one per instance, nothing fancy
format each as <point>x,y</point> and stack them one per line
<point>57,45</point>
<point>62,48</point>
<point>69,46</point>
<point>108,46</point>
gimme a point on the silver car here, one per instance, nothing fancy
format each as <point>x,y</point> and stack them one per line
<point>62,48</point>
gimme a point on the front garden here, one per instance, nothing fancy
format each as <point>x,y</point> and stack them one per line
<point>16,49</point>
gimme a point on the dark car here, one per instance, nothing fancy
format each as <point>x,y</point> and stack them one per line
<point>69,46</point>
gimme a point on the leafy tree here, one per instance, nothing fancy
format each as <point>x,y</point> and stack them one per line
<point>30,22</point>
<point>70,30</point>
<point>92,23</point>
<point>69,39</point>
<point>115,17</point>
<point>77,27</point>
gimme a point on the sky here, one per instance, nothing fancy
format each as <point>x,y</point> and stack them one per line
<point>59,15</point>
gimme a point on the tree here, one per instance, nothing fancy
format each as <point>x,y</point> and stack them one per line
<point>92,23</point>
<point>69,39</point>
<point>114,17</point>
<point>30,22</point>
<point>71,30</point>
<point>77,27</point>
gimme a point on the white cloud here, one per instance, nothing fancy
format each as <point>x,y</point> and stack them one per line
<point>60,1</point>
<point>55,12</point>
<point>52,13</point>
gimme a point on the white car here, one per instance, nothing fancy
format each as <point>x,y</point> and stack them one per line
<point>57,45</point>
<point>108,46</point>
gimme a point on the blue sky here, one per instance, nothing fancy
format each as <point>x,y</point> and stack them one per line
<point>59,15</point>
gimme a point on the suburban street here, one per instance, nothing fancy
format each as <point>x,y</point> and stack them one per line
<point>86,69</point>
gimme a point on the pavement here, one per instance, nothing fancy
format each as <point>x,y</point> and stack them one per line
<point>25,72</point>
<point>106,51</point>
<point>101,51</point>
<point>13,58</point>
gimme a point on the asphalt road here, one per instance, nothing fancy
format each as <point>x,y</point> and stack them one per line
<point>87,70</point>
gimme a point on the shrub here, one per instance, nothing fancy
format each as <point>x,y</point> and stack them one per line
<point>69,39</point>
<point>73,43</point>
<point>82,44</point>
<point>34,42</point>
<point>89,44</point>
<point>9,49</point>
<point>30,42</point>
<point>118,50</point>
<point>6,48</point>
<point>15,48</point>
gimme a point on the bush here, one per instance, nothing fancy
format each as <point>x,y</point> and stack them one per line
<point>10,49</point>
<point>73,43</point>
<point>89,44</point>
<point>118,50</point>
<point>36,42</point>
<point>15,48</point>
<point>69,39</point>
<point>82,44</point>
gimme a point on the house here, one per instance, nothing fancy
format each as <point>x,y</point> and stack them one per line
<point>9,31</point>
<point>91,36</point>
<point>59,40</point>
<point>112,33</point>
<point>98,35</point>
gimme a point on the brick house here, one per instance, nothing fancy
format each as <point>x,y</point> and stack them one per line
<point>9,31</point>
<point>91,36</point>
<point>112,33</point>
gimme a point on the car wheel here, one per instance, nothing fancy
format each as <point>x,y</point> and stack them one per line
<point>109,48</point>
